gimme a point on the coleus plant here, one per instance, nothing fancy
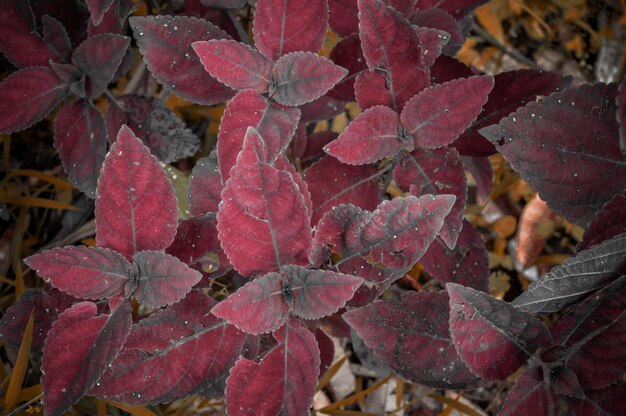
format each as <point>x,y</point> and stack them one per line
<point>298,247</point>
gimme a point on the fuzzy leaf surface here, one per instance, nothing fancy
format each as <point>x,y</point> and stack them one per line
<point>205,185</point>
<point>95,340</point>
<point>609,222</point>
<point>97,9</point>
<point>136,207</point>
<point>235,64</point>
<point>343,18</point>
<point>165,43</point>
<point>371,136</point>
<point>576,277</point>
<point>411,335</point>
<point>370,89</point>
<point>491,336</point>
<point>530,396</point>
<point>278,26</point>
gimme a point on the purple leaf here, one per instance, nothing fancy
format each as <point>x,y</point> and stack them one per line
<point>492,337</point>
<point>324,108</point>
<point>114,19</point>
<point>276,125</point>
<point>436,172</point>
<point>205,185</point>
<point>136,207</point>
<point>530,396</point>
<point>327,349</point>
<point>577,277</point>
<point>310,148</point>
<point>370,89</point>
<point>555,145</point>
<point>83,272</point>
<point>98,8</point>
<point>28,95</point>
<point>447,69</point>
<point>609,222</point>
<point>443,21</point>
<point>282,383</point>
<point>278,26</point>
<point>167,136</point>
<point>390,42</point>
<point>620,102</point>
<point>511,90</point>
<point>263,221</point>
<point>411,336</point>
<point>482,172</point>
<point>439,114</point>
<point>301,77</point>
<point>347,54</point>
<point>432,42</point>
<point>283,164</point>
<point>55,35</point>
<point>224,4</point>
<point>343,17</point>
<point>80,137</point>
<point>163,279</point>
<point>332,183</point>
<point>465,264</point>
<point>165,43</point>
<point>79,347</point>
<point>404,7</point>
<point>172,354</point>
<point>457,8</point>
<point>604,402</point>
<point>235,64</point>
<point>371,136</point>
<point>98,58</point>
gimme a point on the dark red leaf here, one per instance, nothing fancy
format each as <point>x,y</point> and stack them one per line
<point>55,35</point>
<point>604,402</point>
<point>530,396</point>
<point>594,334</point>
<point>263,221</point>
<point>283,164</point>
<point>98,8</point>
<point>301,77</point>
<point>439,114</point>
<point>609,222</point>
<point>555,145</point>
<point>432,42</point>
<point>436,172</point>
<point>311,149</point>
<point>405,7</point>
<point>28,95</point>
<point>370,89</point>
<point>620,101</point>
<point>235,64</point>
<point>98,58</point>
<point>80,137</point>
<point>390,42</point>
<point>577,277</point>
<point>324,108</point>
<point>442,20</point>
<point>174,353</point>
<point>411,336</point>
<point>465,264</point>
<point>136,206</point>
<point>83,272</point>
<point>343,17</point>
<point>278,26</point>
<point>371,136</point>
<point>347,54</point>
<point>332,183</point>
<point>327,349</point>
<point>276,125</point>
<point>205,185</point>
<point>511,90</point>
<point>457,8</point>
<point>366,356</point>
<point>79,347</point>
<point>165,43</point>
<point>482,172</point>
<point>492,337</point>
<point>447,69</point>
<point>563,381</point>
<point>224,4</point>
<point>167,136</point>
<point>114,19</point>
<point>282,383</point>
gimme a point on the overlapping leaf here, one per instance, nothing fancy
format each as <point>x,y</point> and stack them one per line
<point>98,8</point>
<point>165,43</point>
<point>136,207</point>
<point>343,18</point>
<point>530,396</point>
<point>324,108</point>
<point>457,8</point>
<point>205,185</point>
<point>411,335</point>
<point>608,401</point>
<point>482,172</point>
<point>114,19</point>
<point>609,222</point>
<point>370,89</point>
<point>577,277</point>
<point>347,54</point>
<point>55,35</point>
<point>443,21</point>
<point>492,337</point>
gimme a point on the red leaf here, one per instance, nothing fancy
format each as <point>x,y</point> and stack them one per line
<point>411,336</point>
<point>165,43</point>
<point>80,137</point>
<point>79,347</point>
<point>439,114</point>
<point>98,58</point>
<point>511,90</point>
<point>98,8</point>
<point>604,402</point>
<point>263,221</point>
<point>347,54</point>
<point>136,207</point>
<point>405,7</point>
<point>436,172</point>
<point>491,336</point>
<point>371,136</point>
<point>482,172</point>
<point>457,8</point>
<point>114,19</point>
<point>343,17</point>
<point>465,264</point>
<point>530,396</point>
<point>609,222</point>
<point>554,144</point>
<point>205,185</point>
<point>282,383</point>
<point>432,42</point>
<point>620,102</point>
<point>224,4</point>
<point>278,26</point>
<point>83,272</point>
<point>324,108</point>
<point>370,89</point>
<point>163,279</point>
<point>443,21</point>
<point>28,95</point>
<point>283,164</point>
<point>234,64</point>
<point>327,349</point>
<point>332,183</point>
<point>301,77</point>
<point>55,35</point>
<point>447,69</point>
<point>390,42</point>
<point>276,125</point>
<point>174,353</point>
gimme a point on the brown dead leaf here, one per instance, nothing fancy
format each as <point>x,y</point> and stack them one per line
<point>536,223</point>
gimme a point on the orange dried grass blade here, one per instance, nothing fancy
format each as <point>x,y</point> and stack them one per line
<point>355,397</point>
<point>454,404</point>
<point>340,412</point>
<point>101,408</point>
<point>133,410</point>
<point>57,182</point>
<point>29,201</point>
<point>21,365</point>
<point>330,373</point>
